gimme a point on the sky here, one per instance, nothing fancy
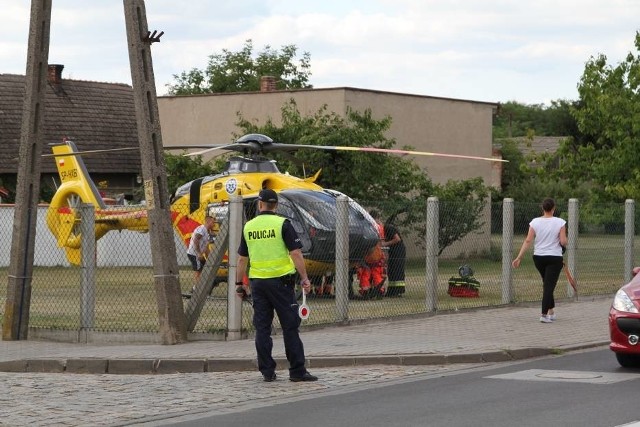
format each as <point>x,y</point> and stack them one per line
<point>531,52</point>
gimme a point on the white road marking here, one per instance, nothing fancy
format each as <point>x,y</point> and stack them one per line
<point>631,424</point>
<point>568,376</point>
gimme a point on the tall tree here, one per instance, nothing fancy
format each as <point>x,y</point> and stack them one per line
<point>608,116</point>
<point>241,71</point>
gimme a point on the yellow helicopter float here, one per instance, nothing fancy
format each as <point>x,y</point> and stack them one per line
<point>310,207</point>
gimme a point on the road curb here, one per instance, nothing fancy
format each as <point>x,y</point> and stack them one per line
<point>159,366</point>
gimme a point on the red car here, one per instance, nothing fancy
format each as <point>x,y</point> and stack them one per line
<point>624,323</point>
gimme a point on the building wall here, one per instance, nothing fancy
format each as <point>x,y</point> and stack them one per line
<point>425,123</point>
<point>435,125</point>
<point>211,119</point>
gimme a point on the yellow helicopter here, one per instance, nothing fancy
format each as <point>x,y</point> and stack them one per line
<point>310,207</point>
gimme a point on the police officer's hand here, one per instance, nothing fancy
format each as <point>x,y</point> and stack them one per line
<point>306,285</point>
<point>241,292</point>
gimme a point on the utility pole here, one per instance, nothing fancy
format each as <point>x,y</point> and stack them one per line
<point>163,252</point>
<point>18,301</point>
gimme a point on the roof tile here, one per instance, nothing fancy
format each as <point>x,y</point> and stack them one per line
<point>94,115</point>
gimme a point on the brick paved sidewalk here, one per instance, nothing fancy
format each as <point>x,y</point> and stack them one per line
<point>497,334</point>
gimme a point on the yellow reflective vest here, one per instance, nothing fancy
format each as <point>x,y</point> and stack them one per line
<point>268,255</point>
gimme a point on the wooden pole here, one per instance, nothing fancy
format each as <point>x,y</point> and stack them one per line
<point>163,252</point>
<point>18,301</point>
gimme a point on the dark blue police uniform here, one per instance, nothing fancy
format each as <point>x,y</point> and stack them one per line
<point>277,293</point>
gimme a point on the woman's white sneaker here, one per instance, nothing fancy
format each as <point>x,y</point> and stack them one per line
<point>552,316</point>
<point>545,319</point>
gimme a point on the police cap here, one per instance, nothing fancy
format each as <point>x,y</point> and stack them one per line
<point>267,195</point>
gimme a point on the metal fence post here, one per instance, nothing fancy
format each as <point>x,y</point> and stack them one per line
<point>431,284</point>
<point>629,235</point>
<point>234,304</point>
<point>342,259</point>
<point>572,238</point>
<point>507,251</point>
<point>88,262</point>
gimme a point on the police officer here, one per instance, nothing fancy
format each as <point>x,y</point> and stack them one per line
<point>273,246</point>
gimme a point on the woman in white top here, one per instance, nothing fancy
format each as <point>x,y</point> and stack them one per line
<point>550,234</point>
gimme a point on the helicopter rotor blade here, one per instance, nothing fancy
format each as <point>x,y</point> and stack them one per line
<point>106,150</point>
<point>260,144</point>
<point>243,147</point>
<point>204,148</point>
<point>295,147</point>
<point>396,151</point>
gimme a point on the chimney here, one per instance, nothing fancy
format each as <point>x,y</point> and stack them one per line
<point>54,74</point>
<point>267,84</point>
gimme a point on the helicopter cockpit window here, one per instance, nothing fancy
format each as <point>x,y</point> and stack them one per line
<point>317,208</point>
<point>269,167</point>
<point>248,167</point>
<point>242,165</point>
<point>285,209</point>
<point>296,215</point>
<point>238,165</point>
<point>356,211</point>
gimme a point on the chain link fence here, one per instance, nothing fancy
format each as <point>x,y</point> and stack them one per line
<point>118,297</point>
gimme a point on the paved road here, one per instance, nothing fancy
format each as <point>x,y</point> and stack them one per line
<point>107,400</point>
<point>571,388</point>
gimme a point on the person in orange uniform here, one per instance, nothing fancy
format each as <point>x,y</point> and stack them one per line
<point>371,273</point>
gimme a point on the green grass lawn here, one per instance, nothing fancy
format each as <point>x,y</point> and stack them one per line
<point>125,298</point>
